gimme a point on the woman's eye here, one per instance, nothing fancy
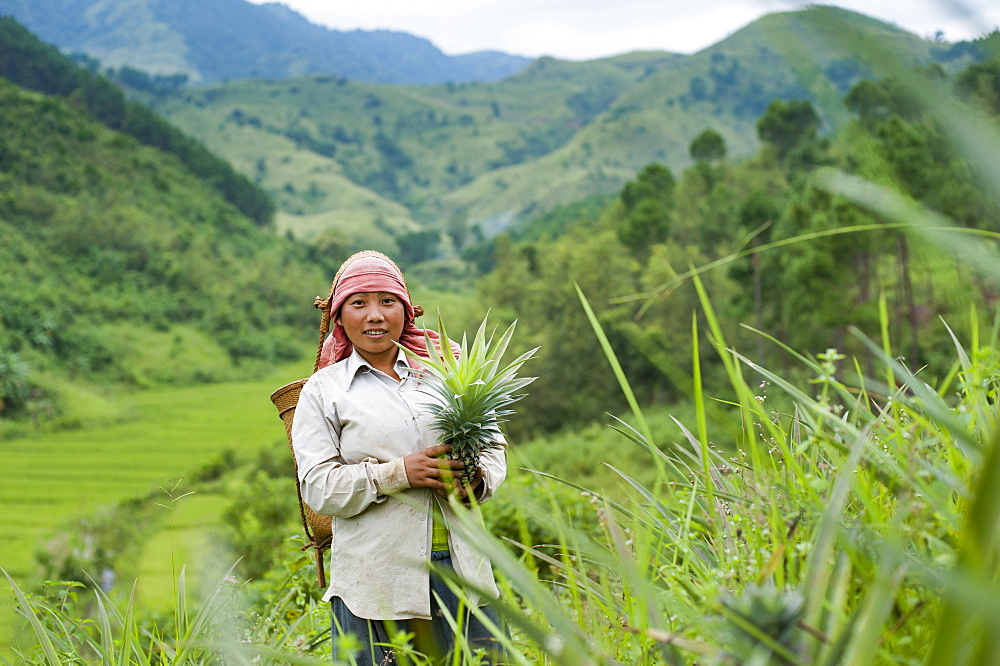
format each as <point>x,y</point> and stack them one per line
<point>388,300</point>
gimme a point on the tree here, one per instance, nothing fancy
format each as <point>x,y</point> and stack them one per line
<point>649,203</point>
<point>647,225</point>
<point>654,182</point>
<point>868,100</point>
<point>982,81</point>
<point>708,146</point>
<point>15,386</point>
<point>787,124</point>
<point>698,89</point>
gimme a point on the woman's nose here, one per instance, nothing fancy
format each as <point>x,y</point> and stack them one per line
<point>375,314</point>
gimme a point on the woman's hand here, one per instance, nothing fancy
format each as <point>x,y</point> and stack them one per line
<point>426,469</point>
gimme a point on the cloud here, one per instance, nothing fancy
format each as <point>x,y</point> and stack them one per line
<point>584,29</point>
<point>578,40</point>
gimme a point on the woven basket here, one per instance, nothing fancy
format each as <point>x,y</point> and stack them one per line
<point>318,526</point>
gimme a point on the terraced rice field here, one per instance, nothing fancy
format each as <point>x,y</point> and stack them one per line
<point>46,480</point>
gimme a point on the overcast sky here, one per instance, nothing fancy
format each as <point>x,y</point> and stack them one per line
<point>585,29</point>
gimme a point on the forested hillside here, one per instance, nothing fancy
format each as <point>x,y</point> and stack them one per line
<point>208,42</point>
<point>119,267</point>
<point>353,164</point>
<point>28,62</point>
<point>776,247</point>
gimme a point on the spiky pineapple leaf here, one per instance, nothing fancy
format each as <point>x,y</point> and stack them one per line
<point>470,391</point>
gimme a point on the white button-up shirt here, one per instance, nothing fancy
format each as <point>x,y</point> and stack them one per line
<point>352,427</point>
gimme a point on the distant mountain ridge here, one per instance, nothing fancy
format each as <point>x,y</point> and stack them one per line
<point>234,39</point>
<point>365,164</point>
<point>357,164</point>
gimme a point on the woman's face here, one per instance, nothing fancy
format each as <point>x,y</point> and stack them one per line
<point>373,321</point>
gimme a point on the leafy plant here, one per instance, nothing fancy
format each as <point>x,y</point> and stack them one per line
<point>471,391</point>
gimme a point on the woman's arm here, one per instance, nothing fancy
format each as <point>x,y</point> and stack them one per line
<point>328,485</point>
<point>334,488</point>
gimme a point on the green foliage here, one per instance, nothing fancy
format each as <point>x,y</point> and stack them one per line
<point>787,125</point>
<point>708,146</point>
<point>136,79</point>
<point>261,515</point>
<point>917,155</point>
<point>418,246</point>
<point>760,556</point>
<point>218,627</point>
<point>982,81</point>
<point>119,266</point>
<point>471,393</point>
<point>536,283</point>
<point>648,202</point>
<point>799,262</point>
<point>868,100</point>
<point>15,385</point>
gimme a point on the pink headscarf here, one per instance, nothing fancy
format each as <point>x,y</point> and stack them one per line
<point>365,274</point>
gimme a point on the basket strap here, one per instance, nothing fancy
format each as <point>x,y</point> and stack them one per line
<point>317,546</point>
<point>324,325</point>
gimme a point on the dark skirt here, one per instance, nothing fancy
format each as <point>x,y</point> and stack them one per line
<point>432,637</point>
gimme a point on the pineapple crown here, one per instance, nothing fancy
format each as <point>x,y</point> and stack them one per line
<point>472,392</point>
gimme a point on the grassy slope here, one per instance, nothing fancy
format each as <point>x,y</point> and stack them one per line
<point>551,134</point>
<point>452,134</point>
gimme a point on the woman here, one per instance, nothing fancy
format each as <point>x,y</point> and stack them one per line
<point>367,456</point>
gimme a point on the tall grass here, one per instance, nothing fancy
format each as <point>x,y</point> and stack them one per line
<point>856,523</point>
<point>229,625</point>
<point>858,526</point>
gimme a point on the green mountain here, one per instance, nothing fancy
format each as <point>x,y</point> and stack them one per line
<point>30,63</point>
<point>234,39</point>
<point>119,266</point>
<point>369,164</point>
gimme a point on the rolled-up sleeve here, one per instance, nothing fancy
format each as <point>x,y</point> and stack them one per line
<point>329,485</point>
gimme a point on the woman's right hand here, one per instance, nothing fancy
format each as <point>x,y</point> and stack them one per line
<point>426,469</point>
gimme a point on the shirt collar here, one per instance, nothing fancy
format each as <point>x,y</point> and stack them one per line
<point>356,365</point>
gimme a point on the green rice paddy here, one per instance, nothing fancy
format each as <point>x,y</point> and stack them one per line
<point>47,480</point>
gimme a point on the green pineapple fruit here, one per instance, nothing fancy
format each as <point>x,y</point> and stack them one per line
<point>471,393</point>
